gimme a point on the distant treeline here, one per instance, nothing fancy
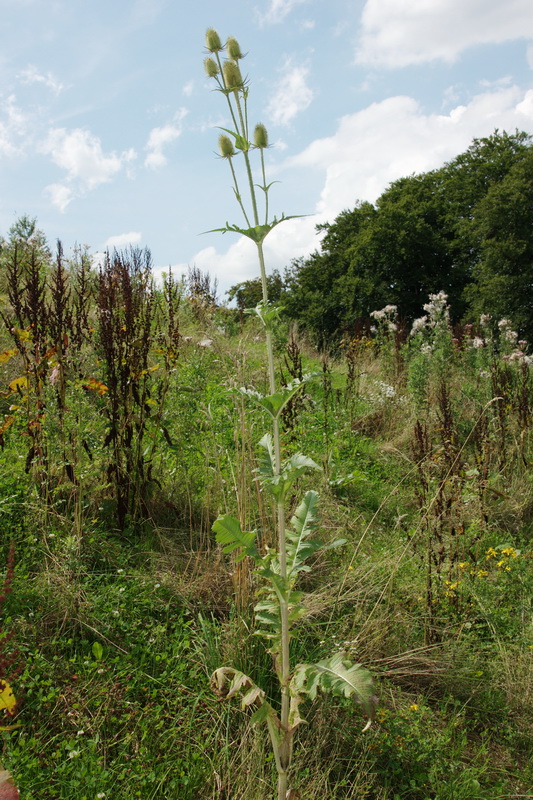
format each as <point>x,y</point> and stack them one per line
<point>465,228</point>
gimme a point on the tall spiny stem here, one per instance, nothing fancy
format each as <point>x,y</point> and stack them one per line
<point>230,83</point>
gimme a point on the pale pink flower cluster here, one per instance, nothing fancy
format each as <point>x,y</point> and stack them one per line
<point>518,355</point>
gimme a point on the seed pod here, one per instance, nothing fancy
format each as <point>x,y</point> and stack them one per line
<point>212,41</point>
<point>260,136</point>
<point>233,49</point>
<point>211,68</point>
<point>232,76</point>
<point>225,145</point>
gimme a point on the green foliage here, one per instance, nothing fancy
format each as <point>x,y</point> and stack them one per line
<point>461,229</point>
<point>248,294</point>
<point>280,605</point>
<point>337,676</point>
<point>502,226</point>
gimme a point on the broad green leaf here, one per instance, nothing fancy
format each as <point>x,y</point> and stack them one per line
<point>229,533</point>
<point>299,546</point>
<point>291,469</point>
<point>275,403</point>
<point>338,676</point>
<point>98,651</point>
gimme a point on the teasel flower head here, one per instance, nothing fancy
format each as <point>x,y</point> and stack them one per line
<point>260,136</point>
<point>212,41</point>
<point>225,145</point>
<point>232,76</point>
<point>211,67</point>
<point>233,49</point>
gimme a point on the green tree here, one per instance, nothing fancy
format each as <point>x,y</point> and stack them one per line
<point>421,237</point>
<point>502,221</point>
<point>24,240</point>
<point>248,294</point>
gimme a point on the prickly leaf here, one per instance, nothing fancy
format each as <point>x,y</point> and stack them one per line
<point>299,546</point>
<point>338,676</point>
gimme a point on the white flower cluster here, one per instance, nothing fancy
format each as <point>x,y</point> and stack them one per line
<point>387,316</point>
<point>437,313</point>
<point>380,392</point>
<point>437,309</point>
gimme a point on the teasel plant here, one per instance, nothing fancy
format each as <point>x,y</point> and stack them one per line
<point>280,604</point>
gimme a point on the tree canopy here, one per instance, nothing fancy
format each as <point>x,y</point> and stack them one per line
<point>464,228</point>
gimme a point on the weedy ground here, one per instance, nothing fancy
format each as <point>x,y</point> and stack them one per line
<point>119,618</point>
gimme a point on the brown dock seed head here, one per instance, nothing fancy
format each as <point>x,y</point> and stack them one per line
<point>233,49</point>
<point>232,76</point>
<point>211,67</point>
<point>260,136</point>
<point>225,145</point>
<point>212,41</point>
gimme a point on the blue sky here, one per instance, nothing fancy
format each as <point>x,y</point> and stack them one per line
<point>108,125</point>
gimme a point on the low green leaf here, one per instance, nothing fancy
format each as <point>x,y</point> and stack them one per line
<point>229,533</point>
<point>98,651</point>
<point>338,676</point>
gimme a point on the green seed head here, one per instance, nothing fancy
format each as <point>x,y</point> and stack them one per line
<point>211,67</point>
<point>232,49</point>
<point>232,76</point>
<point>225,145</point>
<point>260,136</point>
<point>212,41</point>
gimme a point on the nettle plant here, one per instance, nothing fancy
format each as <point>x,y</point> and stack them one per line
<point>279,604</point>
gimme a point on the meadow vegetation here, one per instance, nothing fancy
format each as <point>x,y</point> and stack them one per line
<point>122,603</point>
<point>128,450</point>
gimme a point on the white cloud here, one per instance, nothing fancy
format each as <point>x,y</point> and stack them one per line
<point>277,11</point>
<point>32,75</point>
<point>13,128</point>
<point>292,94</point>
<point>288,240</point>
<point>395,138</point>
<point>526,107</point>
<point>396,33</point>
<point>529,56</point>
<point>160,137</point>
<point>80,154</point>
<point>370,149</point>
<point>123,239</point>
<point>188,88</point>
<point>60,195</point>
